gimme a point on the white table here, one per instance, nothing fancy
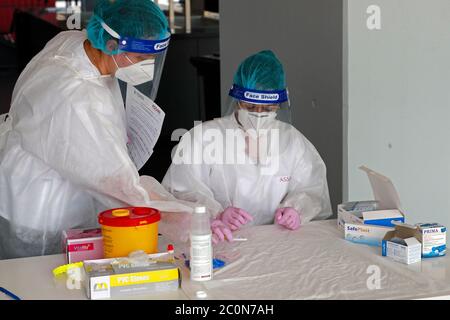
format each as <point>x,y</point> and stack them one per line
<point>314,262</point>
<point>32,278</point>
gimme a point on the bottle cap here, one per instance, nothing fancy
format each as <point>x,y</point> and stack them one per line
<point>129,217</point>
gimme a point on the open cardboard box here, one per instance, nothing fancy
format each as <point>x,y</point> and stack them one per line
<point>408,252</point>
<point>431,236</point>
<point>355,229</point>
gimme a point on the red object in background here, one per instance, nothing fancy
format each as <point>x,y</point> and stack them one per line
<point>7,8</point>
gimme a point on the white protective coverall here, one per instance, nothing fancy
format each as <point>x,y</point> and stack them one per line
<point>296,178</point>
<point>63,152</point>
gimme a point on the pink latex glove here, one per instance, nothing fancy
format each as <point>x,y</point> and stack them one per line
<point>235,218</point>
<point>288,218</point>
<point>220,232</point>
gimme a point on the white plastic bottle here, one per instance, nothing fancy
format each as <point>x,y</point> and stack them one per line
<point>201,246</point>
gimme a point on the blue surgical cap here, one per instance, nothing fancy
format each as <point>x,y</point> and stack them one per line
<point>141,19</point>
<point>261,71</point>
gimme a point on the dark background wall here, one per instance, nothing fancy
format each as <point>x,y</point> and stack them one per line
<point>8,75</point>
<point>307,37</point>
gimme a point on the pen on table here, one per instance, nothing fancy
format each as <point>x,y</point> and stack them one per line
<point>9,293</point>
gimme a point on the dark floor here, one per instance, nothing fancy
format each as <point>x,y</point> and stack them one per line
<point>8,75</point>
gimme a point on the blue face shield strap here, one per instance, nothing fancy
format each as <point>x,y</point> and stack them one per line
<point>258,96</point>
<point>143,46</point>
<point>131,44</point>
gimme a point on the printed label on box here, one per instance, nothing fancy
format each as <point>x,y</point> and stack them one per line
<point>81,247</point>
<point>434,240</point>
<point>365,234</point>
<point>402,253</point>
<point>100,288</point>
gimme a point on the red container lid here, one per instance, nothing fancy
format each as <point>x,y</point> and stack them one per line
<point>129,217</point>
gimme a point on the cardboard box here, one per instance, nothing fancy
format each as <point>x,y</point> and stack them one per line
<point>383,217</point>
<point>103,280</point>
<point>351,212</point>
<point>83,244</point>
<point>433,237</point>
<point>402,246</point>
<point>386,198</point>
<point>365,234</point>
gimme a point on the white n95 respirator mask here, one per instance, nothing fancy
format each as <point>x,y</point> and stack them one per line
<point>256,120</point>
<point>136,73</point>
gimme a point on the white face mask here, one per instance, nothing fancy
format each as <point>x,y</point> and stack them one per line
<point>256,120</point>
<point>136,73</point>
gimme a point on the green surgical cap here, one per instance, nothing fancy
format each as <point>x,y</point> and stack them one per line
<point>261,71</point>
<point>141,19</point>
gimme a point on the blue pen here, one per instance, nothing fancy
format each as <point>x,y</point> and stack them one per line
<point>9,293</point>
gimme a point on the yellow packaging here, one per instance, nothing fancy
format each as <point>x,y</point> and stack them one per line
<point>104,279</point>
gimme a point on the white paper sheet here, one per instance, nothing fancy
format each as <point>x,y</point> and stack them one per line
<point>145,119</point>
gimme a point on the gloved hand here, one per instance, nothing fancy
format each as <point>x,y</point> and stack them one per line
<point>288,218</point>
<point>220,232</point>
<point>235,218</point>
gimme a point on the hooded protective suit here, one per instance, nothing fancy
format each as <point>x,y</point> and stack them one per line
<point>63,152</point>
<point>212,173</point>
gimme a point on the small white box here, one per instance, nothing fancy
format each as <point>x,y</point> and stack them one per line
<point>408,252</point>
<point>386,198</point>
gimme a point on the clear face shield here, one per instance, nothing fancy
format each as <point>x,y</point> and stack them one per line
<point>256,109</point>
<point>260,115</point>
<point>142,62</point>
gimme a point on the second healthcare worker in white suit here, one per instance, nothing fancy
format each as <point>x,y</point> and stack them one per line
<point>63,146</point>
<point>275,175</point>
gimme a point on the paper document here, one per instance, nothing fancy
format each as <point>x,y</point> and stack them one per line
<point>144,119</point>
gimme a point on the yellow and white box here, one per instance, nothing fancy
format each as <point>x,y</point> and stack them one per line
<point>104,281</point>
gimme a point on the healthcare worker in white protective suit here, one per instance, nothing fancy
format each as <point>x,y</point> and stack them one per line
<point>267,172</point>
<point>63,145</point>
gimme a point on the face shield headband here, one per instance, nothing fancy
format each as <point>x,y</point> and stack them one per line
<point>136,45</point>
<point>259,96</point>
